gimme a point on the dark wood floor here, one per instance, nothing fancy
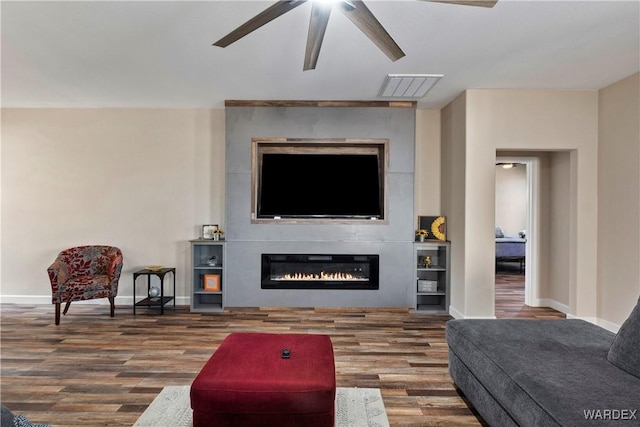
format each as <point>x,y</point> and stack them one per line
<point>101,371</point>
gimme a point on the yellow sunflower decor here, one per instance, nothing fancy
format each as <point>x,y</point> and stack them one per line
<point>436,227</point>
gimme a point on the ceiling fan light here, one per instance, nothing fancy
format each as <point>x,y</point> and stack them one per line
<point>408,85</point>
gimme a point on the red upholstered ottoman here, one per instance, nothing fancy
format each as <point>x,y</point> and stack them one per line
<point>248,382</point>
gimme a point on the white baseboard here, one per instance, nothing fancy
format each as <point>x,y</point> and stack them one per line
<point>609,326</point>
<point>563,308</point>
<point>455,313</point>
<point>545,302</point>
<point>46,299</point>
<point>458,315</point>
<point>589,319</point>
<point>25,299</point>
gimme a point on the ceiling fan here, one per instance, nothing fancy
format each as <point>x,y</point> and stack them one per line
<point>355,10</point>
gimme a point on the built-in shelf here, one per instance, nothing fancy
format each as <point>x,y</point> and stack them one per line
<point>202,252</point>
<point>432,265</point>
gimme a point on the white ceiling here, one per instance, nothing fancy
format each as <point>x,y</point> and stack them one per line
<point>160,54</point>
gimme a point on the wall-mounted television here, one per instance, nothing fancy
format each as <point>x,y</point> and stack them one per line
<point>309,179</point>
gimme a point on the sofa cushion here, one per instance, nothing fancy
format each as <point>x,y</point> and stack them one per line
<point>11,420</point>
<point>499,232</point>
<point>625,349</point>
<point>7,417</point>
<point>545,372</point>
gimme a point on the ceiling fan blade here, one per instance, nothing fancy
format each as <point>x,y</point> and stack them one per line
<point>362,17</point>
<point>317,26</point>
<point>482,3</point>
<point>264,17</point>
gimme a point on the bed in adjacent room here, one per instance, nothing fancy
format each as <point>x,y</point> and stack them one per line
<point>510,248</point>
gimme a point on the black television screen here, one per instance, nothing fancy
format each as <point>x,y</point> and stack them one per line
<point>320,186</point>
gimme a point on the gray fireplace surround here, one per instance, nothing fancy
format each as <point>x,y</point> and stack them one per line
<point>391,239</point>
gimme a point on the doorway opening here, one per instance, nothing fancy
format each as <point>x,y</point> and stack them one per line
<point>516,219</point>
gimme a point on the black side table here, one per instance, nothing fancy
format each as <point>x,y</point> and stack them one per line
<point>157,301</point>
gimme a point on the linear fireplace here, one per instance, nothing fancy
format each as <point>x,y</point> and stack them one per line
<point>314,271</point>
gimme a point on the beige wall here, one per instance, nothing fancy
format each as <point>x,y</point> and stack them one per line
<point>560,225</point>
<point>511,199</point>
<point>524,120</point>
<point>427,166</point>
<point>143,180</point>
<point>619,199</point>
<point>453,191</point>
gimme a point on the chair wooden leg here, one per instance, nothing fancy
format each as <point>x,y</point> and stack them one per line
<point>66,307</point>
<point>112,301</point>
<point>57,313</point>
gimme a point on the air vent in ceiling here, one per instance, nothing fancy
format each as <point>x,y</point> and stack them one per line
<point>408,85</point>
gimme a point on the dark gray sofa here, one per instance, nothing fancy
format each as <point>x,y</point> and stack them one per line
<point>529,372</point>
<point>11,420</point>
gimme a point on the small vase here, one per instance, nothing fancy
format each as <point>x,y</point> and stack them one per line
<point>420,238</point>
<point>216,237</point>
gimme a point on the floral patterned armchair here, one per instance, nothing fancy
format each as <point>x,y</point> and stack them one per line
<point>83,273</point>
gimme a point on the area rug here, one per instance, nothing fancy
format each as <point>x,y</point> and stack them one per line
<point>355,407</point>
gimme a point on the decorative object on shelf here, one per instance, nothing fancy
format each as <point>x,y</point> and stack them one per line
<point>213,261</point>
<point>217,234</point>
<point>212,282</point>
<point>427,261</point>
<point>435,227</point>
<point>427,285</point>
<point>154,267</point>
<point>421,234</point>
<point>208,231</point>
<point>154,292</point>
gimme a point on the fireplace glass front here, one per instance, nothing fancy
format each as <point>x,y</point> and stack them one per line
<point>309,271</point>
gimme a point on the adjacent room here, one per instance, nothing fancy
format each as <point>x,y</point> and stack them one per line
<point>513,212</point>
<point>305,213</point>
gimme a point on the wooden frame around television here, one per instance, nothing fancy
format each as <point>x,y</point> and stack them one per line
<point>379,146</point>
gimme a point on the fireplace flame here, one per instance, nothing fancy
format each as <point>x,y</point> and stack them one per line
<point>321,276</point>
